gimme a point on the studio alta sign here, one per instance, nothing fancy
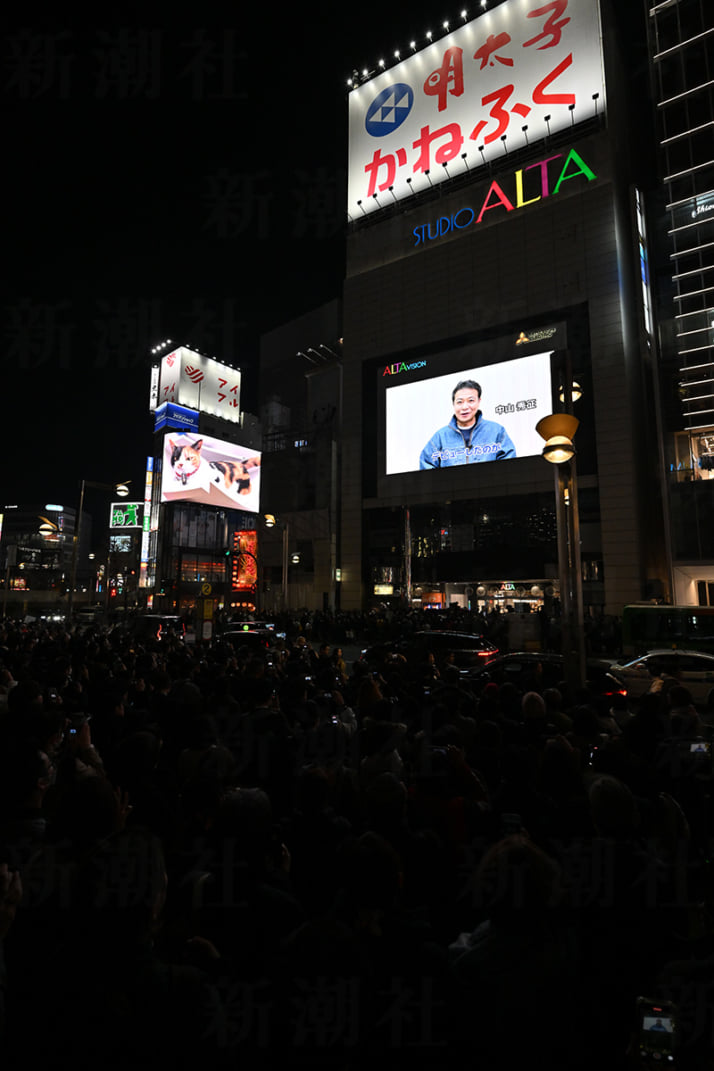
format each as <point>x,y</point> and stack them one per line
<point>543,179</point>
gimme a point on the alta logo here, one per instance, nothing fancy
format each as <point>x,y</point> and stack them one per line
<point>194,374</point>
<point>400,366</point>
<point>509,194</point>
<point>170,359</point>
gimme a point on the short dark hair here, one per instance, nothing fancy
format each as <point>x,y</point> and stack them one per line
<point>462,386</point>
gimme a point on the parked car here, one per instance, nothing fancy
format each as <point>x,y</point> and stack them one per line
<point>545,669</point>
<point>693,669</point>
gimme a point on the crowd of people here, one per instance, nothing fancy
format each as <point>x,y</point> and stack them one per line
<point>208,853</point>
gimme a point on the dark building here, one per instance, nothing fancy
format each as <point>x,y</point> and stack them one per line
<point>36,548</point>
<point>681,52</point>
<point>301,412</point>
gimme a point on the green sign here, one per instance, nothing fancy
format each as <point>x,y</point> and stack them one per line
<point>125,515</point>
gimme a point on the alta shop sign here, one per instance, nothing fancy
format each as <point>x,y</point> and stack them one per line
<point>509,195</point>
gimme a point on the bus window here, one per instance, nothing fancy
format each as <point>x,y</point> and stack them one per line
<point>645,627</point>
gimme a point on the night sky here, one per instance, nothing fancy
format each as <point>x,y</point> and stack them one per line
<point>167,179</point>
<point>182,182</point>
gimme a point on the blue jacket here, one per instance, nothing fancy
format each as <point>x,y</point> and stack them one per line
<point>486,441</point>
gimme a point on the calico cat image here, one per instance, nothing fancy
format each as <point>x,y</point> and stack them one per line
<point>185,459</point>
<point>235,472</point>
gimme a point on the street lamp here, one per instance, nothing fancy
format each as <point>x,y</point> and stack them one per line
<point>121,489</point>
<point>558,431</point>
<point>271,522</point>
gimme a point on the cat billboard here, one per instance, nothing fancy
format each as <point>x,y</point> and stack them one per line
<point>193,381</point>
<point>197,468</point>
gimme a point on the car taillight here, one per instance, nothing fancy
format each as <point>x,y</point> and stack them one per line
<point>488,654</point>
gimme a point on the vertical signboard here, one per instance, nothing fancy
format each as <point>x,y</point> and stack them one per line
<point>146,523</point>
<point>244,564</point>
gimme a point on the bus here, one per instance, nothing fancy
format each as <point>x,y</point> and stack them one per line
<point>646,627</point>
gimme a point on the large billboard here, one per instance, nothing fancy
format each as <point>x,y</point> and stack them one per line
<point>508,78</point>
<point>197,468</point>
<point>191,380</point>
<point>472,414</point>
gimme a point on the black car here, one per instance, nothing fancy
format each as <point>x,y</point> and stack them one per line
<point>537,670</point>
<point>469,651</point>
<point>256,640</point>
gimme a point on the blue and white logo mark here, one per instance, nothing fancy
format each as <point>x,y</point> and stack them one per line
<point>388,111</point>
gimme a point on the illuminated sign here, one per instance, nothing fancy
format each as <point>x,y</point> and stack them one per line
<point>520,72</point>
<point>145,533</point>
<point>154,388</point>
<point>510,195</point>
<point>400,366</point>
<point>125,515</point>
<point>244,566</point>
<point>120,544</point>
<point>189,379</point>
<point>541,334</point>
<point>693,211</point>
<point>197,468</point>
<point>169,415</point>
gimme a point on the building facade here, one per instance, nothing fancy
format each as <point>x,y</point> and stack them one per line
<point>509,256</point>
<point>202,493</point>
<point>681,54</point>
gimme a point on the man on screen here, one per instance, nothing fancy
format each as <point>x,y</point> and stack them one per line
<point>467,437</point>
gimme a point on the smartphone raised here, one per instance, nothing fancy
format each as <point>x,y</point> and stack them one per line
<point>657,1032</point>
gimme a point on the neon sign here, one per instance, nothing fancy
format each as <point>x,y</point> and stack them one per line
<point>510,198</point>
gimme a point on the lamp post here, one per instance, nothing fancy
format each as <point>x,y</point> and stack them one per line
<point>558,430</point>
<point>271,522</point>
<point>121,489</point>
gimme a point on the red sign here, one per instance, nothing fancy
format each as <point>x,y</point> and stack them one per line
<point>244,568</point>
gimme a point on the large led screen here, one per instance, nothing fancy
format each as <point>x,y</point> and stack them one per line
<point>197,468</point>
<point>471,415</point>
